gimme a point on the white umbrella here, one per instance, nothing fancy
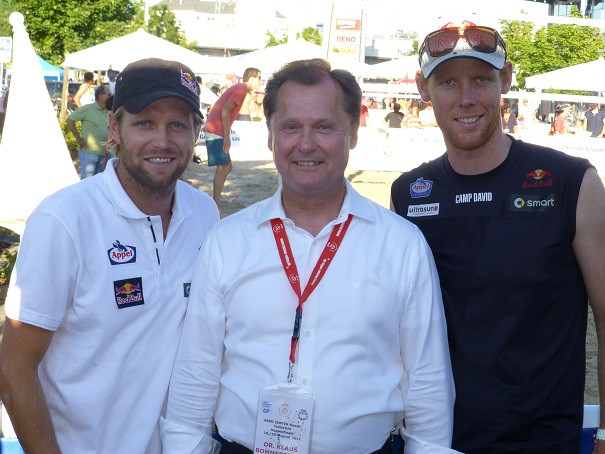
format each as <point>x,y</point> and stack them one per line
<point>588,76</point>
<point>30,172</point>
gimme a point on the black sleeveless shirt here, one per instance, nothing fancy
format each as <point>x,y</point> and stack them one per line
<point>514,296</point>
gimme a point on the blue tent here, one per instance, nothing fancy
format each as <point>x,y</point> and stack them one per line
<point>51,72</point>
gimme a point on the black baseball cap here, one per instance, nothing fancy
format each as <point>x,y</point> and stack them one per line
<point>142,82</point>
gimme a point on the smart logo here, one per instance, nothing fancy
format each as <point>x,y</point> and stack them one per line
<point>526,203</point>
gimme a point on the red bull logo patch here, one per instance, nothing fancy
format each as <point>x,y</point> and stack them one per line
<point>129,292</point>
<point>539,178</point>
<point>121,254</point>
<point>189,81</point>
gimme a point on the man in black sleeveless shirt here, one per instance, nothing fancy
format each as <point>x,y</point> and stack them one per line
<point>518,235</point>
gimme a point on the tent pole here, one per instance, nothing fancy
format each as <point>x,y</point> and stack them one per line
<point>64,93</point>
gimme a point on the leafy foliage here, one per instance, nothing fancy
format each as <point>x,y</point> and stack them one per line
<point>7,262</point>
<point>56,28</point>
<point>549,48</point>
<point>163,23</point>
<point>413,50</point>
<point>70,140</point>
<point>310,34</point>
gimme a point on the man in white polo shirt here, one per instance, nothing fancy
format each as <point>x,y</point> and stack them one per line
<point>101,284</point>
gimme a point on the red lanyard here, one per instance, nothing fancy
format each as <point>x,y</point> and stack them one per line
<point>287,259</point>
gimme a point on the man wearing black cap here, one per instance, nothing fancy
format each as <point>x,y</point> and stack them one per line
<point>101,284</point>
<point>517,232</point>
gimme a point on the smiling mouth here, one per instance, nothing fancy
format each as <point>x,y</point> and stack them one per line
<point>159,160</point>
<point>307,163</point>
<point>468,120</point>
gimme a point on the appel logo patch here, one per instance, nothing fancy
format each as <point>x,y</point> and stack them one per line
<point>120,254</point>
<point>420,188</point>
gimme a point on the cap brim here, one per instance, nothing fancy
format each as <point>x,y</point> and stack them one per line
<point>134,104</point>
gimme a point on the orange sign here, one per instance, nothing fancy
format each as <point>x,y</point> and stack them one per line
<point>348,24</point>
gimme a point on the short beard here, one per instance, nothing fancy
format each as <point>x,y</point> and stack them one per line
<point>464,144</point>
<point>146,185</point>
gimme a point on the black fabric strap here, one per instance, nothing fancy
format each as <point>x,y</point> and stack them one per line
<point>230,447</point>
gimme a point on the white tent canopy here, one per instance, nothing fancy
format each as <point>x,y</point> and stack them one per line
<point>585,76</point>
<point>271,59</point>
<point>119,52</point>
<point>30,171</point>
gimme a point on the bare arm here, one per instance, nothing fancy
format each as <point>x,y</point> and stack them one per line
<point>226,121</point>
<point>23,347</point>
<point>74,130</point>
<point>81,90</point>
<point>589,247</point>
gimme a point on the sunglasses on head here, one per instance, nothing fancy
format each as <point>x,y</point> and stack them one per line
<point>443,41</point>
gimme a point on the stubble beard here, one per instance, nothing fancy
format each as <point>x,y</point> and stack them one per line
<point>464,142</point>
<point>143,183</point>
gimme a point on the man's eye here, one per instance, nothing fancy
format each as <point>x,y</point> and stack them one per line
<point>324,128</point>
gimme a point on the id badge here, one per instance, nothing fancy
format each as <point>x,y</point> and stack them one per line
<point>284,420</point>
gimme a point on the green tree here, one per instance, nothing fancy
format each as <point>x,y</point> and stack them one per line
<point>310,34</point>
<point>163,23</point>
<point>56,28</point>
<point>518,37</point>
<point>549,48</point>
<point>6,8</point>
<point>413,50</point>
<point>273,40</point>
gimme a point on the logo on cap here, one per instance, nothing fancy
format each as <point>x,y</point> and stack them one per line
<point>189,81</point>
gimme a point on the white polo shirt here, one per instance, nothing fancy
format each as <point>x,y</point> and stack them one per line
<point>96,270</point>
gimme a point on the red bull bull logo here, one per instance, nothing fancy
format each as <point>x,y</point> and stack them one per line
<point>129,292</point>
<point>189,81</point>
<point>540,180</point>
<point>538,174</point>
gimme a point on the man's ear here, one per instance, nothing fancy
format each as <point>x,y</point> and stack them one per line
<point>113,128</point>
<point>421,84</point>
<point>506,76</point>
